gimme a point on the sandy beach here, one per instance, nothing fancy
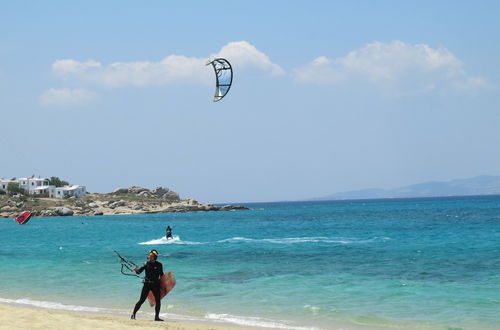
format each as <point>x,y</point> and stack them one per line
<point>14,317</point>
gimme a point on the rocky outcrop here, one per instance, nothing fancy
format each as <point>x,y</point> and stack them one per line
<point>160,192</point>
<point>131,200</point>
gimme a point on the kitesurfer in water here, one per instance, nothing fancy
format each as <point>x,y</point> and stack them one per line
<point>154,271</point>
<point>169,232</point>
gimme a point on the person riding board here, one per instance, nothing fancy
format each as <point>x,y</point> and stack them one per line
<point>169,232</point>
<point>154,271</point>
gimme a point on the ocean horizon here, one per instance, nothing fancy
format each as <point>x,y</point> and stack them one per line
<point>416,263</point>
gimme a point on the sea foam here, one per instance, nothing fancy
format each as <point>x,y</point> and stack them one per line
<point>174,240</point>
<point>296,240</point>
<point>252,321</point>
<point>56,305</point>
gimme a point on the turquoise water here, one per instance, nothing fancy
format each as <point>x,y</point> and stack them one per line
<point>415,263</point>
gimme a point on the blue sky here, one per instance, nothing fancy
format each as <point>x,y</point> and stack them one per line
<point>328,96</point>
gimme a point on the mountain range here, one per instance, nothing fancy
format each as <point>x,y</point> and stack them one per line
<point>479,185</point>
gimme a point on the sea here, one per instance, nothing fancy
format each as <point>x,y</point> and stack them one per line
<point>430,263</point>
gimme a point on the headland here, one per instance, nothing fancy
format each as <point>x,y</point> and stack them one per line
<point>131,200</point>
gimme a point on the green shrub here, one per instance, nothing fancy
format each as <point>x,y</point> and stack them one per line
<point>55,181</point>
<point>13,188</point>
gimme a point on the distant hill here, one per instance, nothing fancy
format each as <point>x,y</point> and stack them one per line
<point>479,185</point>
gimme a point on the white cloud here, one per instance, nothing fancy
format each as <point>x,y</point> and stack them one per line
<point>391,64</point>
<point>66,97</point>
<point>171,69</point>
<point>244,54</point>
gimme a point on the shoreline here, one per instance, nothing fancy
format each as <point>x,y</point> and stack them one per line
<point>17,316</point>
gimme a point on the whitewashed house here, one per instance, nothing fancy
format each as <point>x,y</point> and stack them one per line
<point>68,191</point>
<point>41,186</point>
<point>4,183</point>
<point>42,190</point>
<point>34,186</point>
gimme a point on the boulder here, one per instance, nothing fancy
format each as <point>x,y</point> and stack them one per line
<point>191,201</point>
<point>64,211</point>
<point>233,208</point>
<point>135,190</point>
<point>171,196</point>
<point>49,213</point>
<point>120,203</point>
<point>160,191</point>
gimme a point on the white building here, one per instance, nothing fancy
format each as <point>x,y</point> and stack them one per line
<point>40,186</point>
<point>67,191</point>
<point>4,183</point>
<point>32,185</point>
<point>43,190</point>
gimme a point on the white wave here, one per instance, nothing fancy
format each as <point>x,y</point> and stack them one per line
<point>225,318</point>
<point>285,240</point>
<point>295,240</point>
<point>236,239</point>
<point>53,305</point>
<point>313,309</point>
<point>252,321</point>
<point>173,240</point>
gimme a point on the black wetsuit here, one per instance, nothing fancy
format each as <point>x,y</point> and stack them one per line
<point>169,232</point>
<point>154,270</point>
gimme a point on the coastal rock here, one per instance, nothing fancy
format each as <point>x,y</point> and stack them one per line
<point>64,211</point>
<point>120,191</point>
<point>191,201</point>
<point>233,208</point>
<point>136,190</point>
<point>160,191</point>
<point>210,207</point>
<point>49,213</point>
<point>145,193</point>
<point>171,196</point>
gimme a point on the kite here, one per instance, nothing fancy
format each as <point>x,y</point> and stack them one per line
<point>223,77</point>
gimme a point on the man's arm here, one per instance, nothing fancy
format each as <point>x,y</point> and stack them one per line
<point>161,270</point>
<point>139,270</point>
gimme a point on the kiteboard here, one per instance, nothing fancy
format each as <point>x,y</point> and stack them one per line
<point>23,217</point>
<point>167,283</point>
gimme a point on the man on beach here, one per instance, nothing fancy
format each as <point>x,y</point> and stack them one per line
<point>154,271</point>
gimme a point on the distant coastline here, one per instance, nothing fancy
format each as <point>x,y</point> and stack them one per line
<point>484,185</point>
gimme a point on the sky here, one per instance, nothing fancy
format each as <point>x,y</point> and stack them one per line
<point>328,96</point>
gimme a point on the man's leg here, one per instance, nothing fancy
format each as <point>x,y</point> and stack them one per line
<point>156,293</point>
<point>142,299</point>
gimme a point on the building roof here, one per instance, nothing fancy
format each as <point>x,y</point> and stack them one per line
<point>68,188</point>
<point>41,188</point>
<point>33,179</point>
